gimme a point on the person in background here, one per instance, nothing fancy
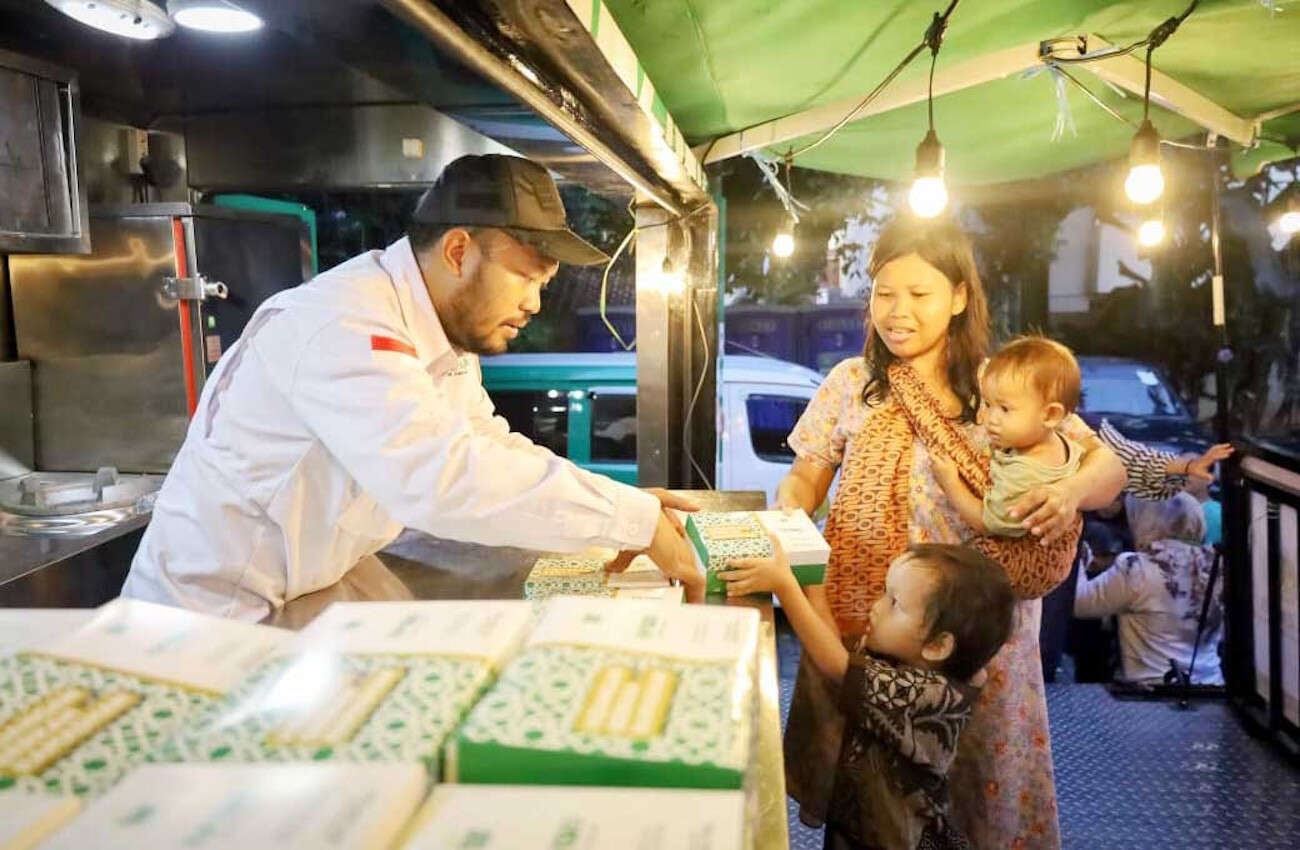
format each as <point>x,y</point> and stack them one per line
<point>1157,593</point>
<point>1155,475</point>
<point>1152,475</point>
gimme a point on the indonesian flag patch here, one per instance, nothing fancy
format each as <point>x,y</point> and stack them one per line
<point>388,343</point>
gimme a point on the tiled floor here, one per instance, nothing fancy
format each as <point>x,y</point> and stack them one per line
<point>1142,775</point>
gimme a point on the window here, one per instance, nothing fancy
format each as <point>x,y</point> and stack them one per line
<point>542,417</point>
<point>771,419</point>
<point>613,428</point>
<point>1135,393</point>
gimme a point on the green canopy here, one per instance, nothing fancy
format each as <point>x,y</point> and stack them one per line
<point>721,66</point>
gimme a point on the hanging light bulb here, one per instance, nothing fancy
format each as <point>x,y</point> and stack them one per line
<point>1151,233</point>
<point>929,195</point>
<point>783,242</point>
<point>1145,181</point>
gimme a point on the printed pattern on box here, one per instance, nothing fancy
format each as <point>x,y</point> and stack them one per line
<point>74,729</point>
<point>611,692</point>
<point>386,708</point>
<point>567,575</point>
<point>721,536</point>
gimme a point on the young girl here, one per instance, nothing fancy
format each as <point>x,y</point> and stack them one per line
<point>1027,390</point>
<point>945,612</point>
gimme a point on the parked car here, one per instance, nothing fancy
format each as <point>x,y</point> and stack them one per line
<point>583,406</point>
<point>1135,398</point>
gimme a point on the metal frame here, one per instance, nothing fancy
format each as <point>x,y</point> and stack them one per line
<point>1129,73</point>
<point>1271,475</point>
<point>78,241</point>
<point>1126,72</point>
<point>948,79</point>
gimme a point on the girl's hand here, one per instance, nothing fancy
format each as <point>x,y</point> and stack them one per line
<point>757,575</point>
<point>1049,510</point>
<point>1199,468</point>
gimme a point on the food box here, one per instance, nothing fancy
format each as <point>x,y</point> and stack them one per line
<point>719,537</point>
<point>250,807</point>
<point>619,692</point>
<point>364,681</point>
<point>502,817</point>
<point>79,710</point>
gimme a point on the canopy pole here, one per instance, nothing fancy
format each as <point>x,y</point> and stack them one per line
<point>1220,319</point>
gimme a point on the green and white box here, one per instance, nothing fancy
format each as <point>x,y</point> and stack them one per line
<point>29,817</point>
<point>500,817</point>
<point>718,537</point>
<point>583,574</point>
<point>250,807</point>
<point>78,711</point>
<point>804,546</point>
<point>365,681</point>
<point>28,628</point>
<point>619,692</point>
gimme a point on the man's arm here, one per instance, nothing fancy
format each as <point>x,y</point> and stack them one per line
<point>424,461</point>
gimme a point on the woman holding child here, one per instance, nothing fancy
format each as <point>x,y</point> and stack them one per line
<point>900,425</point>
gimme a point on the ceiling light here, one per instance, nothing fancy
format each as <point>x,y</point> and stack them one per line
<point>213,16</point>
<point>138,19</point>
<point>929,195</point>
<point>1145,181</point>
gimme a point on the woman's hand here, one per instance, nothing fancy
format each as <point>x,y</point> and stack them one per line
<point>1049,510</point>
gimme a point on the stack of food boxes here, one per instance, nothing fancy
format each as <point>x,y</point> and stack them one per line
<point>257,738</point>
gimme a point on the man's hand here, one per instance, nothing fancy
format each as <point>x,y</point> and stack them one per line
<point>671,502</point>
<point>1199,468</point>
<point>671,554</point>
<point>1049,511</point>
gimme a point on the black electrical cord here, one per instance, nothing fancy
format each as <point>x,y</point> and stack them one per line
<point>1158,36</point>
<point>1105,107</point>
<point>933,39</point>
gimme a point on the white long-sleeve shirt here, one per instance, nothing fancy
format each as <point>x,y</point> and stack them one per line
<point>342,415</point>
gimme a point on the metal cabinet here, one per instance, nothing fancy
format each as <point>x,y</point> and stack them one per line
<point>42,199</point>
<point>118,360</point>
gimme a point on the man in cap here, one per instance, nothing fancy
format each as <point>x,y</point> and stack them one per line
<point>352,406</point>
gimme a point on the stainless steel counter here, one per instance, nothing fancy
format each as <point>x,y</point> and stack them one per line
<point>420,567</point>
<point>69,570</point>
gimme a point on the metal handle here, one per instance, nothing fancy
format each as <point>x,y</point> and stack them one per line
<point>196,288</point>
